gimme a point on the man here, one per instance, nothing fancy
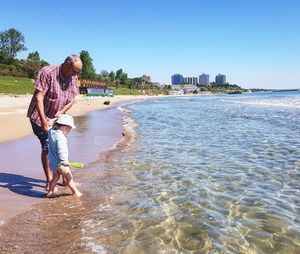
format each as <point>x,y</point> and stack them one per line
<point>55,90</point>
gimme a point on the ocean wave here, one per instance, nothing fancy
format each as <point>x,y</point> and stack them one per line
<point>291,103</point>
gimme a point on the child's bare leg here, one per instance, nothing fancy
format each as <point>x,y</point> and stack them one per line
<point>52,185</point>
<point>64,181</point>
<point>68,176</point>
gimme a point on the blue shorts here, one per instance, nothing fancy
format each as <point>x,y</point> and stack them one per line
<point>42,136</point>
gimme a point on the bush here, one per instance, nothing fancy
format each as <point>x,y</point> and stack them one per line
<point>12,70</point>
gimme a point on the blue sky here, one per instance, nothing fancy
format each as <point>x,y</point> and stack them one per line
<point>255,43</point>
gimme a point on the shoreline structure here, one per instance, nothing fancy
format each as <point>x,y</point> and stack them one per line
<point>15,128</point>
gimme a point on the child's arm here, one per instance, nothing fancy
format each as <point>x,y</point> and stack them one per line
<point>62,149</point>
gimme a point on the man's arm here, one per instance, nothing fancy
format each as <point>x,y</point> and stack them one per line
<point>39,97</point>
<point>65,108</point>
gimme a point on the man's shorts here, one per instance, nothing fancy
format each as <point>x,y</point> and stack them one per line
<point>42,136</point>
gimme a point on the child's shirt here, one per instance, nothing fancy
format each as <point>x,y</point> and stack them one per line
<point>58,149</point>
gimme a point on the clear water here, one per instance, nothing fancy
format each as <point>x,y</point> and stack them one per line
<point>211,174</point>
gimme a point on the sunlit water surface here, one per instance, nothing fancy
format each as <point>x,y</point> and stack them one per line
<point>213,174</point>
<point>208,174</point>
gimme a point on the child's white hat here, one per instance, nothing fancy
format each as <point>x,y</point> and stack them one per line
<point>66,120</point>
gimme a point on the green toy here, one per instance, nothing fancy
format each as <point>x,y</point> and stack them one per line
<point>74,164</point>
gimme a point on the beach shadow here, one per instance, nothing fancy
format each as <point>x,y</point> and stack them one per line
<point>23,185</point>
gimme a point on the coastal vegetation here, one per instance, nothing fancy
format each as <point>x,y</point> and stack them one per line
<point>16,75</point>
<point>12,42</point>
<point>225,88</point>
<point>23,85</point>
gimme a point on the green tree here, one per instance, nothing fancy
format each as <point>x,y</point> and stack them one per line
<point>124,79</point>
<point>118,74</point>
<point>44,63</point>
<point>121,78</point>
<point>112,76</point>
<point>104,75</point>
<point>32,64</point>
<point>12,42</point>
<point>88,70</point>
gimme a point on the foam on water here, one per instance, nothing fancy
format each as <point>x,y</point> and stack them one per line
<point>290,100</point>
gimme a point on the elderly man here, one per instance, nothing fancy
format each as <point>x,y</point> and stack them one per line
<point>55,90</point>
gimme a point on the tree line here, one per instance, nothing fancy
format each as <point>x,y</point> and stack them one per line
<point>12,42</point>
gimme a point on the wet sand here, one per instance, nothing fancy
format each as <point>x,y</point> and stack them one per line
<point>55,225</point>
<point>13,110</point>
<point>21,175</point>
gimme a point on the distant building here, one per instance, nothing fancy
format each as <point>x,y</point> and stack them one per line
<point>186,88</point>
<point>204,79</point>
<point>177,79</point>
<point>190,80</point>
<point>194,80</point>
<point>94,87</point>
<point>221,79</point>
<point>176,92</point>
<point>146,78</point>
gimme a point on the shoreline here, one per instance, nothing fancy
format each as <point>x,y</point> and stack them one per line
<point>19,148</point>
<point>13,109</point>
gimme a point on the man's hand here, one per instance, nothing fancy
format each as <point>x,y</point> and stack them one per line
<point>45,126</point>
<point>58,114</point>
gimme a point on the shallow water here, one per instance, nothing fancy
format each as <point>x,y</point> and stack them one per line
<point>214,174</point>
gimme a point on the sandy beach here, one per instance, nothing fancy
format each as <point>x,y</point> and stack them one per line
<point>13,109</point>
<point>19,150</point>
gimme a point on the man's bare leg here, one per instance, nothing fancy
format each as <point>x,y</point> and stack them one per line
<point>47,171</point>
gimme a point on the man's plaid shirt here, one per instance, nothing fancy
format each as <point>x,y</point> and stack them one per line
<point>57,92</point>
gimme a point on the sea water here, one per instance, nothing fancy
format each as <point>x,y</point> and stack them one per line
<point>201,174</point>
<point>206,174</point>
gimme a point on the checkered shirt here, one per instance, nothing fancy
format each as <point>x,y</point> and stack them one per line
<point>57,92</point>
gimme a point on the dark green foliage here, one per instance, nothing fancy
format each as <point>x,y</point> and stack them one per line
<point>225,88</point>
<point>112,76</point>
<point>44,63</point>
<point>88,70</point>
<point>12,42</point>
<point>12,70</point>
<point>120,80</point>
<point>32,64</point>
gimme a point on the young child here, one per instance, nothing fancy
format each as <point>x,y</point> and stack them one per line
<point>58,154</point>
